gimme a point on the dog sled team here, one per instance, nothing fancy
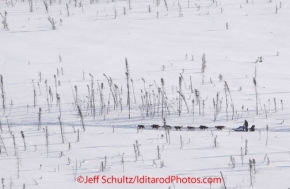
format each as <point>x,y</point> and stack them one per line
<point>201,127</point>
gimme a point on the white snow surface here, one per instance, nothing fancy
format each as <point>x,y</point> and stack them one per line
<point>168,43</point>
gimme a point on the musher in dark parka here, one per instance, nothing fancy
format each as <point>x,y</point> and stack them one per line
<point>246,126</point>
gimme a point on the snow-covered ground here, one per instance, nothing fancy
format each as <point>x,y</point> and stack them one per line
<point>197,158</point>
<point>160,40</point>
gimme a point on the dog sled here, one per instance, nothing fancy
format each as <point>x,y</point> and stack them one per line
<point>242,128</point>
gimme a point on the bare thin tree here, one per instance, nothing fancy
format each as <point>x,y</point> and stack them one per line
<point>128,85</point>
<point>255,83</point>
